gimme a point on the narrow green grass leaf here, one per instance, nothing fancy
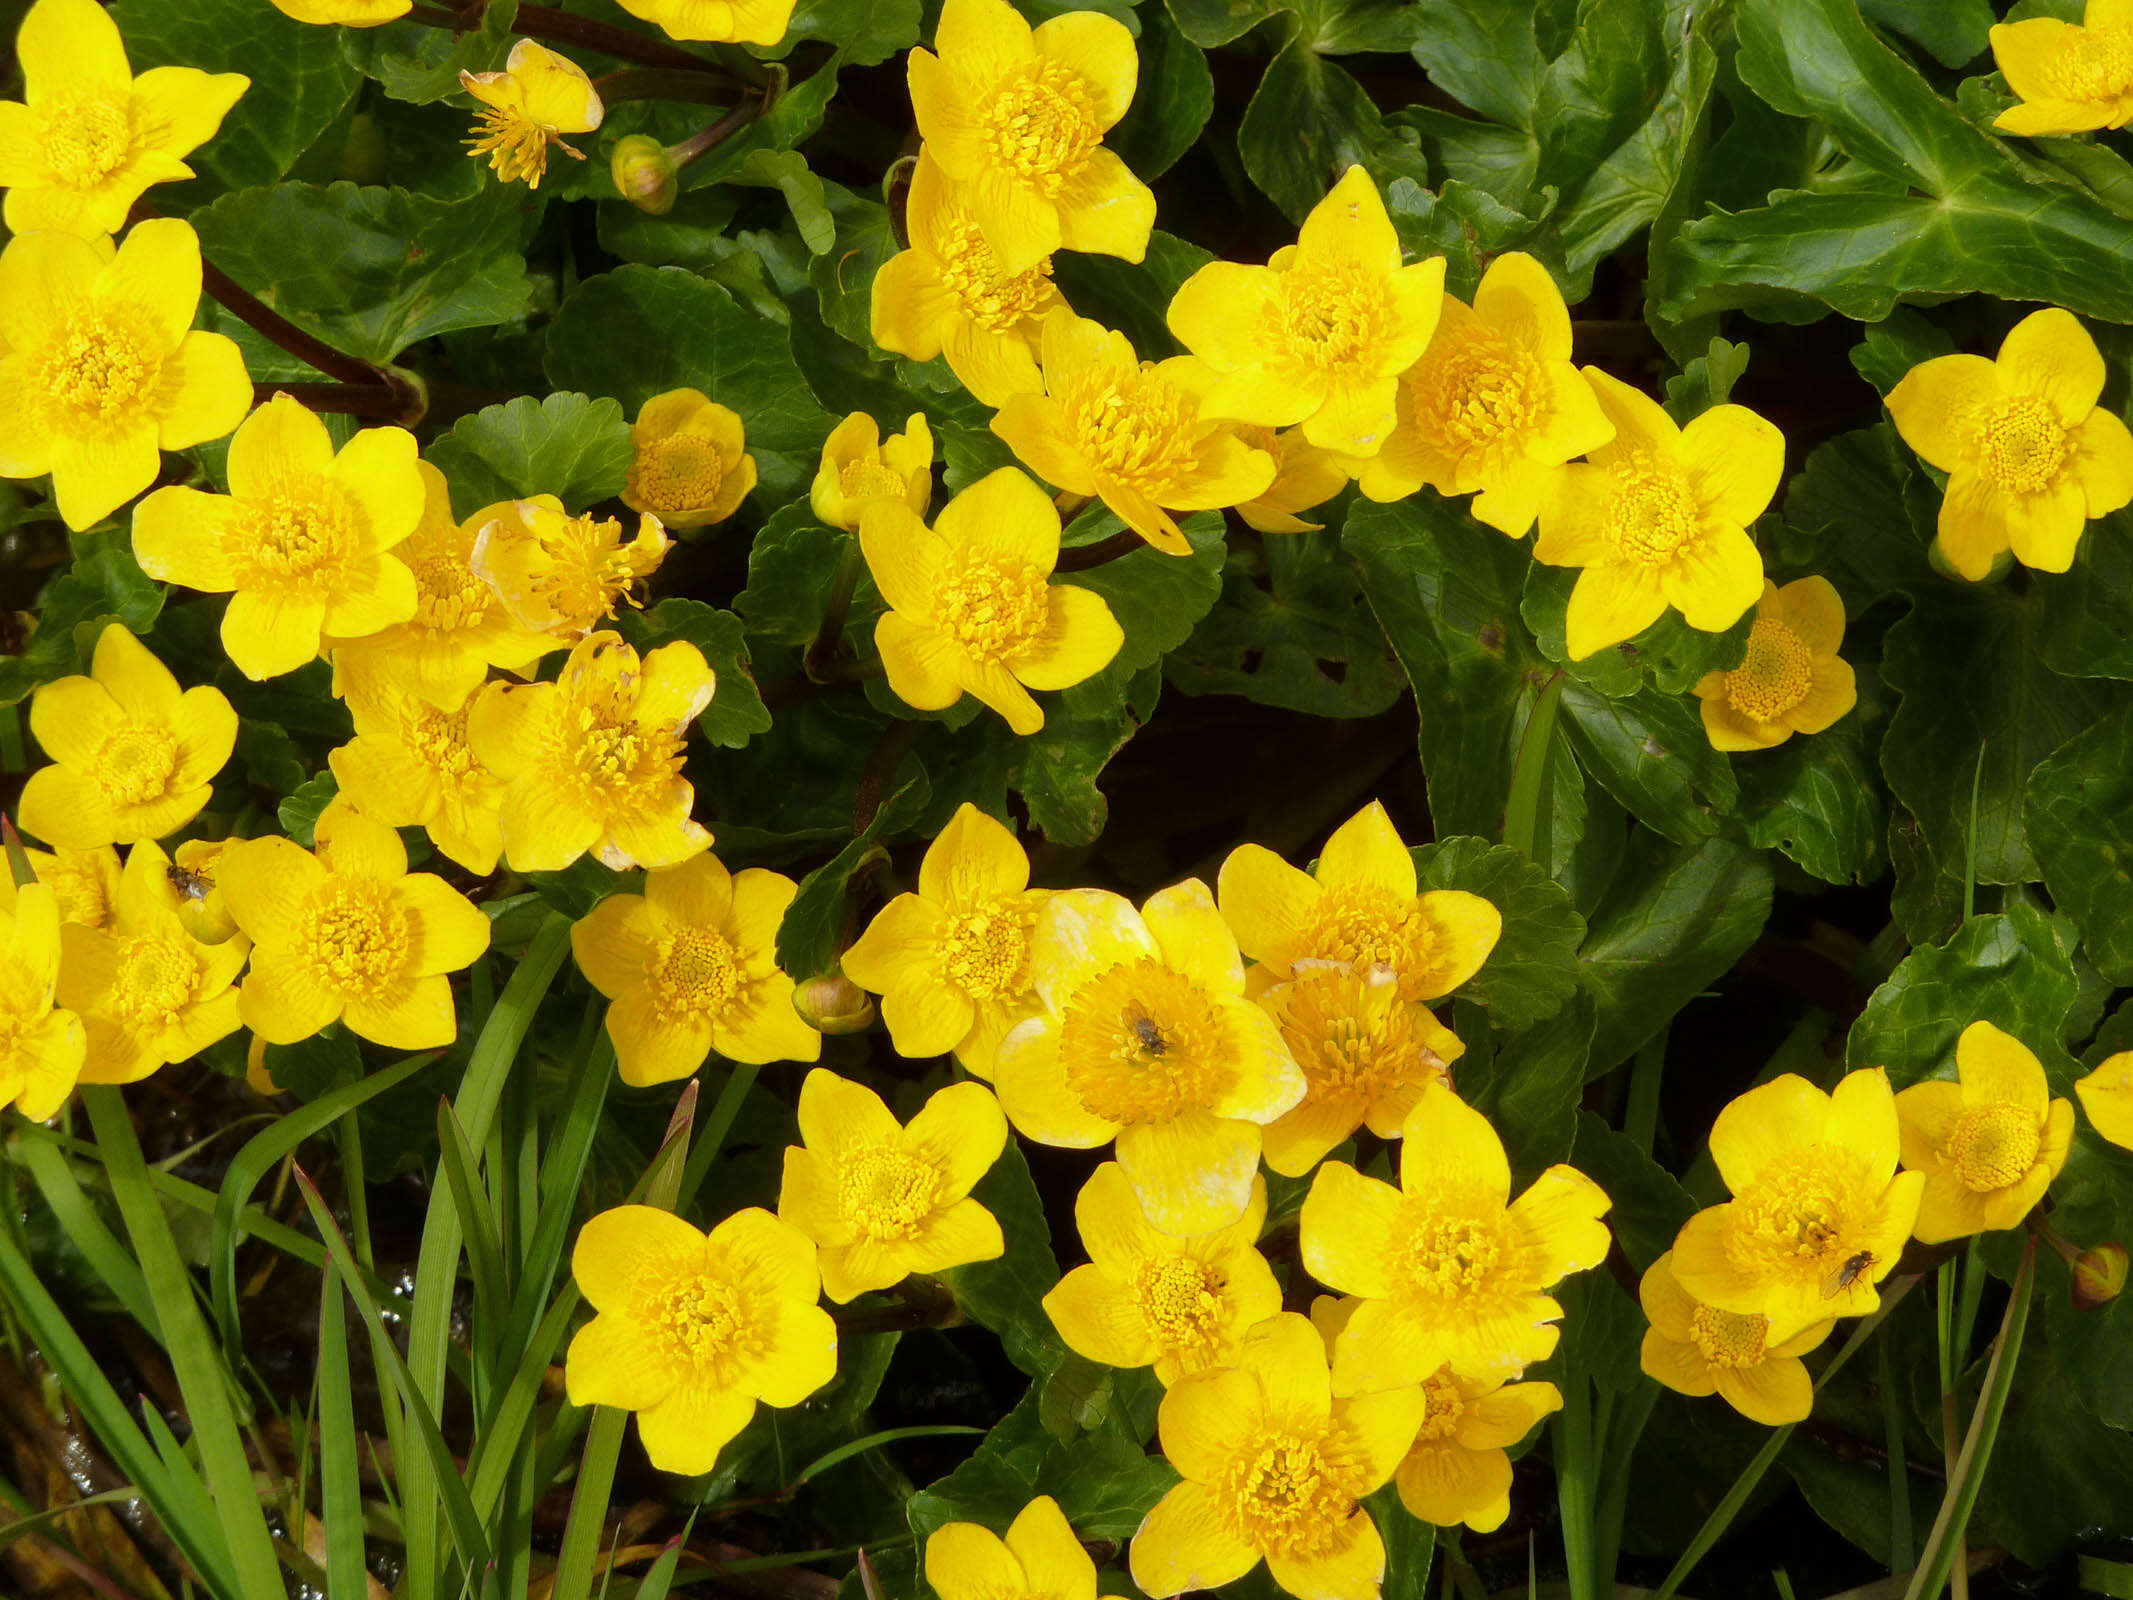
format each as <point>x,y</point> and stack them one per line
<point>874,1441</point>
<point>496,1442</point>
<point>485,1253</point>
<point>562,1176</point>
<point>340,1491</point>
<point>660,1578</point>
<point>84,1227</point>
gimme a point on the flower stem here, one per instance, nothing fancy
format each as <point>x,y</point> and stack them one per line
<point>364,390</point>
<point>1084,556</point>
<point>1526,809</point>
<point>922,1303</point>
<point>826,649</point>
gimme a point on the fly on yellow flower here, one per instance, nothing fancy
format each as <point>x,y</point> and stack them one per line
<point>84,882</point>
<point>193,870</point>
<point>2031,457</point>
<point>411,765</point>
<point>134,756</point>
<point>42,1050</point>
<point>1494,408</point>
<point>1131,432</point>
<point>1658,517</point>
<point>1791,680</point>
<point>1819,1212</point>
<point>2072,77</point>
<point>971,605</point>
<point>693,1329</point>
<point>1304,476</point>
<point>2106,1094</point>
<point>1990,1143</point>
<point>529,106</point>
<point>860,467</point>
<point>1040,1556</point>
<point>719,21</point>
<point>882,1201</point>
<point>1319,336</point>
<point>691,465</point>
<point>1695,1349</point>
<point>1274,1468</point>
<point>561,575</point>
<point>348,934</point>
<point>951,961</point>
<point>1017,118</point>
<point>346,13</point>
<point>593,759</point>
<point>689,965</point>
<point>1146,1038</point>
<point>147,991</point>
<point>1147,1297</point>
<point>100,367</point>
<point>88,138</point>
<point>303,542</point>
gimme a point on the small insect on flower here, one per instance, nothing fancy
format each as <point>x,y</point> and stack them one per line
<point>1847,1274</point>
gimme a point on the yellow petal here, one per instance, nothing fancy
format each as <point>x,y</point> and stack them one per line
<point>1934,405</point>
<point>1714,582</point>
<point>1559,1217</point>
<point>967,1562</point>
<point>1103,208</point>
<point>1447,1144</point>
<point>73,43</point>
<point>1100,1319</point>
<point>1193,1173</point>
<point>960,1133</point>
<point>414,1014</point>
<point>615,1360</point>
<point>1347,1227</point>
<point>1384,1348</point>
<point>1366,852</point>
<point>1185,1543</point>
<point>1765,1125</point>
<point>91,478</point>
<point>1447,1484</point>
<point>1608,605</point>
<point>1002,517</point>
<point>1507,1415</point>
<point>685,1432</point>
<point>973,862</point>
<point>1191,937</point>
<point>1053,1560</point>
<point>1676,1364</point>
<point>2027,51</point>
<point>282,440</point>
<point>450,930</point>
<point>2044,529</point>
<point>2050,355</point>
<point>2106,1096</point>
<point>1668,1307</point>
<point>1264,900</point>
<point>1351,1566</point>
<point>1113,1228</point>
<point>1639,421</point>
<point>1380,1427</point>
<point>1974,527</point>
<point>156,276</point>
<point>1035,1094</point>
<point>1079,639</point>
<point>1998,1069</point>
<point>1772,1392</point>
<point>1735,461</point>
<point>1862,1119</point>
<point>2102,463</point>
<point>1465,928</point>
<point>1082,934</point>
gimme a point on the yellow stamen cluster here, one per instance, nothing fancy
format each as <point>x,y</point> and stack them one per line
<point>1989,1147</point>
<point>1446,1404</point>
<point>2021,443</point>
<point>1775,674</point>
<point>1134,426</point>
<point>1140,1044</point>
<point>356,936</point>
<point>98,366</point>
<point>1730,1339</point>
<point>1445,1246</point>
<point>1041,125</point>
<point>1180,1298</point>
<point>695,972</point>
<point>1479,392</point>
<point>993,608</point>
<point>85,138</point>
<point>1353,1035</point>
<point>135,764</point>
<point>1363,926</point>
<point>1653,515</point>
<point>886,1193</point>
<point>985,952</point>
<point>678,471</point>
<point>1290,1495</point>
<point>995,300</point>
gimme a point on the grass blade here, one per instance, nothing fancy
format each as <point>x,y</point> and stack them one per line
<point>562,1174</point>
<point>873,1441</point>
<point>339,1491</point>
<point>485,1252</point>
<point>497,1441</point>
<point>84,1227</point>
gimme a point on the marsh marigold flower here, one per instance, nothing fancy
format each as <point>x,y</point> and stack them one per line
<point>42,1050</point>
<point>593,759</point>
<point>882,1201</point>
<point>100,367</point>
<point>88,138</point>
<point>346,13</point>
<point>1017,118</point>
<point>134,756</point>
<point>1181,1304</point>
<point>1040,1556</point>
<point>1494,408</point>
<point>2106,1094</point>
<point>411,765</point>
<point>1146,1038</point>
<point>2071,77</point>
<point>1819,1212</point>
<point>2031,457</point>
<point>527,108</point>
<point>693,1329</point>
<point>971,605</point>
<point>562,576</point>
<point>303,542</point>
<point>84,882</point>
<point>718,21</point>
<point>690,968</point>
<point>1319,336</point>
<point>192,873</point>
<point>1304,476</point>
<point>1791,680</point>
<point>690,466</point>
<point>1989,1143</point>
<point>951,961</point>
<point>1695,1349</point>
<point>1274,1468</point>
<point>860,467</point>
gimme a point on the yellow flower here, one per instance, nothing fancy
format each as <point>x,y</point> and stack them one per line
<point>302,542</point>
<point>1989,1144</point>
<point>593,759</point>
<point>460,628</point>
<point>147,991</point>
<point>1658,517</point>
<point>1274,1467</point>
<point>691,465</point>
<point>719,21</point>
<point>100,369</point>
<point>1146,1038</point>
<point>690,969</point>
<point>411,765</point>
<point>1494,408</point>
<point>971,607</point>
<point>530,105</point>
<point>1183,1304</point>
<point>84,882</point>
<point>193,870</point>
<point>951,962</point>
<point>1319,336</point>
<point>2107,1096</point>
<point>2071,78</point>
<point>42,1050</point>
<point>1695,1349</point>
<point>1360,909</point>
<point>2031,457</point>
<point>1017,118</point>
<point>1819,1212</point>
<point>1450,1268</point>
<point>860,467</point>
<point>348,934</point>
<point>347,13</point>
<point>560,575</point>
<point>134,755</point>
<point>693,1329</point>
<point>1040,1558</point>
<point>1791,680</point>
<point>883,1201</point>
<point>88,137</point>
<point>1304,476</point>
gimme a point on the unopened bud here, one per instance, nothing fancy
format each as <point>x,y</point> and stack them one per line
<point>834,1004</point>
<point>2099,1276</point>
<point>645,174</point>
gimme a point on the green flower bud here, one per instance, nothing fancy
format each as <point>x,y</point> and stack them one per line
<point>834,1004</point>
<point>645,174</point>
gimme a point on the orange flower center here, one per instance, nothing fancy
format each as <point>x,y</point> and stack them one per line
<point>1445,1404</point>
<point>516,145</point>
<point>696,973</point>
<point>355,936</point>
<point>1445,1246</point>
<point>135,763</point>
<point>616,760</point>
<point>885,1193</point>
<point>85,139</point>
<point>1135,426</point>
<point>590,568</point>
<point>1364,925</point>
<point>677,474</point>
<point>448,596</point>
<point>155,980</point>
<point>994,300</point>
<point>102,366</point>
<point>2093,64</point>
<point>1331,316</point>
<point>1477,395</point>
<point>1143,1043</point>
<point>1992,1147</point>
<point>993,609</point>
<point>1354,1037</point>
<point>296,543</point>
<point>1180,1299</point>
<point>1291,1493</point>
<point>1798,1219</point>
<point>2021,444</point>
<point>1042,126</point>
<point>1774,676</point>
<point>868,478</point>
<point>985,953</point>
<point>1729,1339</point>
<point>705,1323</point>
<point>1652,516</point>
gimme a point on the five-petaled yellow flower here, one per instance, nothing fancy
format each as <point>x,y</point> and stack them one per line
<point>346,933</point>
<point>971,605</point>
<point>690,969</point>
<point>88,138</point>
<point>719,21</point>
<point>100,367</point>
<point>2031,457</point>
<point>951,961</point>
<point>1319,336</point>
<point>2106,1095</point>
<point>1989,1143</point>
<point>859,467</point>
<point>529,106</point>
<point>1039,1557</point>
<point>1304,476</point>
<point>691,465</point>
<point>561,575</point>
<point>1275,1468</point>
<point>411,765</point>
<point>1819,1212</point>
<point>1696,1349</point>
<point>346,13</point>
<point>303,542</point>
<point>593,759</point>
<point>84,882</point>
<point>1146,1038</point>
<point>883,1201</point>
<point>1017,118</point>
<point>2072,77</point>
<point>134,755</point>
<point>1183,1304</point>
<point>1494,408</point>
<point>1791,680</point>
<point>42,1049</point>
<point>693,1329</point>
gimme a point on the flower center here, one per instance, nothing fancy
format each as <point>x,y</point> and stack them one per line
<point>885,1193</point>
<point>1774,676</point>
<point>1363,926</point>
<point>1445,1246</point>
<point>1288,1496</point>
<point>591,568</point>
<point>100,366</point>
<point>1180,1299</point>
<point>1135,427</point>
<point>1445,1404</point>
<point>448,596</point>
<point>355,937</point>
<point>85,139</point>
<point>985,953</point>
<point>440,739</point>
<point>78,887</point>
<point>135,764</point>
<point>1653,514</point>
<point>2094,63</point>
<point>293,544</point>
<point>1477,393</point>
<point>155,979</point>
<point>696,973</point>
<point>867,479</point>
<point>1331,316</point>
<point>516,145</point>
<point>1992,1147</point>
<point>1730,1338</point>
<point>993,609</point>
<point>1795,1221</point>
<point>991,298</point>
<point>2021,444</point>
<point>704,1322</point>
<point>1143,1043</point>
<point>1353,1036</point>
<point>679,473</point>
<point>1042,125</point>
<point>615,757</point>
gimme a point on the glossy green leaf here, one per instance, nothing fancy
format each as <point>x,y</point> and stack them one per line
<point>2078,807</point>
<point>1533,968</point>
<point>567,445</point>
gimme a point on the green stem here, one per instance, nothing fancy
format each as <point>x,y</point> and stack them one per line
<point>1623,1436</point>
<point>827,647</point>
<point>1900,1556</point>
<point>1576,1488</point>
<point>1082,557</point>
<point>713,1137</point>
<point>1525,812</point>
<point>1647,1070</point>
